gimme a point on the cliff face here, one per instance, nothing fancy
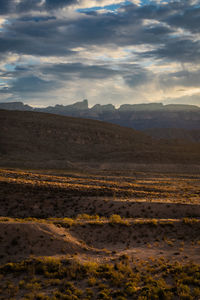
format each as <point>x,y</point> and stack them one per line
<point>15,106</point>
<point>142,120</point>
<point>141,107</point>
<point>137,116</point>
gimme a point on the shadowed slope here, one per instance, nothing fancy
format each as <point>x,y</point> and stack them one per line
<point>38,139</point>
<point>23,239</point>
<point>175,134</point>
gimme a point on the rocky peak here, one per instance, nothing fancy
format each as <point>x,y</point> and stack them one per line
<point>103,108</point>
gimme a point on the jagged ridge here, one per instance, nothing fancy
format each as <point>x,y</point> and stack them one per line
<point>138,116</point>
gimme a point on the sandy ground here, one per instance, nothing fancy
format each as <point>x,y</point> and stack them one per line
<point>160,196</point>
<point>172,240</point>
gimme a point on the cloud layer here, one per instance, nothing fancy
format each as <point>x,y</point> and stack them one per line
<point>59,51</point>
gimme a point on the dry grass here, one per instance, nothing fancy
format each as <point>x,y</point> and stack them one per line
<point>120,279</point>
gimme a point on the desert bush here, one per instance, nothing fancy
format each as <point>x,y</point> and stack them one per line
<point>104,294</point>
<point>184,292</point>
<point>92,281</point>
<point>68,221</point>
<point>32,286</point>
<point>196,292</point>
<point>5,219</point>
<point>116,219</point>
<point>87,217</point>
<point>190,221</point>
<point>41,296</point>
<point>130,288</point>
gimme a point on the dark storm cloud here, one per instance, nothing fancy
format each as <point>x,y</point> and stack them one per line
<point>51,36</point>
<point>24,6</point>
<point>6,6</point>
<point>17,72</point>
<point>28,46</point>
<point>81,70</point>
<point>37,5</point>
<point>28,5</point>
<point>125,28</point>
<point>48,35</point>
<point>29,84</point>
<point>26,83</point>
<point>34,28</point>
<point>54,4</point>
<point>182,50</point>
<point>137,78</point>
<point>134,75</point>
<point>188,19</point>
<point>159,12</point>
<point>35,36</point>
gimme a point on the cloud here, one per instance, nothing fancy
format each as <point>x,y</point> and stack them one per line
<point>52,36</point>
<point>182,50</point>
<point>34,36</point>
<point>25,6</point>
<point>188,19</point>
<point>66,71</point>
<point>6,6</point>
<point>135,76</point>
<point>55,4</point>
<point>48,35</point>
<point>152,47</point>
<point>28,85</point>
<point>184,78</point>
<point>29,5</point>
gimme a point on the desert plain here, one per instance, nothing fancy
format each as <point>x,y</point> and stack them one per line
<point>99,235</point>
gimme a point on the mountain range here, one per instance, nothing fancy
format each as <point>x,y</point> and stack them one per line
<point>137,116</point>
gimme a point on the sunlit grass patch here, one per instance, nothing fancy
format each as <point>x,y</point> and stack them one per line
<point>156,279</point>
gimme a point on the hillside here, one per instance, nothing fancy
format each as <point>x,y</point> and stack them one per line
<point>45,140</point>
<point>175,134</point>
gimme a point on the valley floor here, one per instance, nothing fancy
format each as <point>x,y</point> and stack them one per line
<point>106,236</point>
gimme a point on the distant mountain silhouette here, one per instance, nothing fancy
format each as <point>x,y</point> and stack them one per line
<point>137,116</point>
<point>37,139</point>
<point>15,106</point>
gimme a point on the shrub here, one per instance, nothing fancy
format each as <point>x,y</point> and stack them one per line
<point>87,217</point>
<point>116,219</point>
<point>68,221</point>
<point>190,221</point>
<point>92,281</point>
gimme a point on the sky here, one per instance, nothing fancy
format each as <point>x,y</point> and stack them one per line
<point>106,51</point>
